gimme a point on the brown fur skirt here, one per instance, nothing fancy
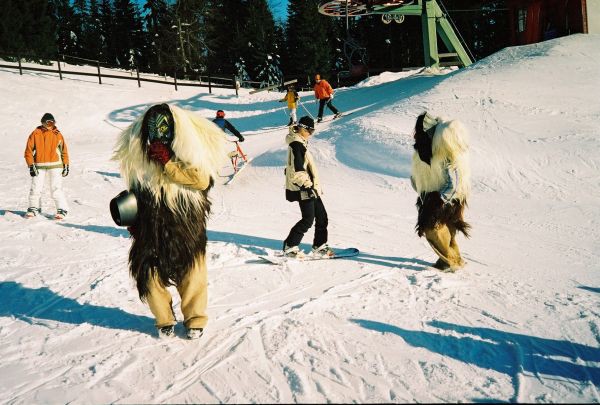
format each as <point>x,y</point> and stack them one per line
<point>433,211</point>
<point>164,242</point>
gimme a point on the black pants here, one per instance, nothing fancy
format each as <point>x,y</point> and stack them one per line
<point>322,103</point>
<point>311,210</point>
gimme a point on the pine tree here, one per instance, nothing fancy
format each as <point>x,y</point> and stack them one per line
<point>259,32</point>
<point>128,29</point>
<point>225,36</point>
<point>161,38</point>
<point>93,42</point>
<point>270,71</point>
<point>27,29</point>
<point>107,51</point>
<point>241,73</point>
<point>67,41</point>
<point>189,25</point>
<point>80,28</point>
<point>309,46</point>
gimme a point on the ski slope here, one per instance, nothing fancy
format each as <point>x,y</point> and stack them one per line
<point>520,323</point>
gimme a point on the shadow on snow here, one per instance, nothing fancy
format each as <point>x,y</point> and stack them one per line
<point>504,352</point>
<point>32,304</point>
<point>260,246</point>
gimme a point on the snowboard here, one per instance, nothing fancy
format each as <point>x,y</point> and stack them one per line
<point>280,258</point>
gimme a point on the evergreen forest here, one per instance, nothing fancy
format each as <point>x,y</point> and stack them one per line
<point>231,37</point>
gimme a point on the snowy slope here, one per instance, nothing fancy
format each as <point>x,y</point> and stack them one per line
<point>520,323</point>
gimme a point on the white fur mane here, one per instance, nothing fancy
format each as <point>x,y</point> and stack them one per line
<point>198,142</point>
<point>449,147</point>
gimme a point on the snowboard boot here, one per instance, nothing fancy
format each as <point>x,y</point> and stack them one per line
<point>195,333</point>
<point>166,332</point>
<point>32,212</point>
<point>319,120</point>
<point>291,122</point>
<point>337,115</point>
<point>323,251</point>
<point>293,252</point>
<point>60,214</point>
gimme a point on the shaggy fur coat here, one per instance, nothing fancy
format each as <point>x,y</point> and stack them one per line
<point>441,149</point>
<point>170,231</point>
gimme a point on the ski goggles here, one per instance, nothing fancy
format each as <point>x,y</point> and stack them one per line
<point>309,129</point>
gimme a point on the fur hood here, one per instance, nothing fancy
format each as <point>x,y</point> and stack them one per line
<point>449,151</point>
<point>197,142</point>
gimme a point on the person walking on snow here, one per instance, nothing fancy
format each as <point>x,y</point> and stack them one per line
<point>440,174</point>
<point>226,125</point>
<point>292,98</point>
<point>324,94</point>
<point>168,158</point>
<point>46,155</point>
<point>302,185</point>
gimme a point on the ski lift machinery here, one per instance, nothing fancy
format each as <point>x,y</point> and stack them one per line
<point>434,22</point>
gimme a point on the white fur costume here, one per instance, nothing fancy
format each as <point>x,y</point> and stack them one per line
<point>449,148</point>
<point>198,143</point>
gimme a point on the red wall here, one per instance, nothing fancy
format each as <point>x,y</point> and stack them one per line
<point>545,19</point>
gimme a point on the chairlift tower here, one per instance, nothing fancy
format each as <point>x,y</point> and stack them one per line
<point>433,21</point>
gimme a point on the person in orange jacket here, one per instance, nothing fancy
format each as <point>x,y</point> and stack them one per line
<point>324,93</point>
<point>46,155</point>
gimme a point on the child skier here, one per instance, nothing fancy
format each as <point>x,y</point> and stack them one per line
<point>226,125</point>
<point>302,185</point>
<point>234,155</point>
<point>46,155</point>
<point>292,98</point>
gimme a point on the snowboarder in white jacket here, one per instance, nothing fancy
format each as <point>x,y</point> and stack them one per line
<point>302,185</point>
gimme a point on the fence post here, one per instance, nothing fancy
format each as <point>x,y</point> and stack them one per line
<point>175,76</point>
<point>137,71</point>
<point>99,74</point>
<point>20,69</point>
<point>59,70</point>
<point>209,86</point>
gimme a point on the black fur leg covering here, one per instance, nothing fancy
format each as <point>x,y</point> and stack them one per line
<point>166,242</point>
<point>433,211</point>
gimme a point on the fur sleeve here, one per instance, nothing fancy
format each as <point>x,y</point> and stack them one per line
<point>198,142</point>
<point>451,139</point>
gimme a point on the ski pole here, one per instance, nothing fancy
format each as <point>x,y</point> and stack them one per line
<point>311,116</point>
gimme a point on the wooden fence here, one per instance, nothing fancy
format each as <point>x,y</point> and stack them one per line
<point>203,81</point>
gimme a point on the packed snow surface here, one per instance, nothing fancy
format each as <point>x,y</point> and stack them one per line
<point>520,323</point>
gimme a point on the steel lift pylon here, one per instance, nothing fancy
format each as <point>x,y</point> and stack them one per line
<point>433,20</point>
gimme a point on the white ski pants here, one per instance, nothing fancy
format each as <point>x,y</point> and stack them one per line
<point>56,191</point>
<point>293,115</point>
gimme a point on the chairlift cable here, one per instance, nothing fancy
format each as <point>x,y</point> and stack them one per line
<point>457,30</point>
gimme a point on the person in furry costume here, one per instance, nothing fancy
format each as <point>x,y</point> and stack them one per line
<point>441,177</point>
<point>168,158</point>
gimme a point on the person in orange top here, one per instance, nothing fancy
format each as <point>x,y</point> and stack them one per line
<point>46,155</point>
<point>324,93</point>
